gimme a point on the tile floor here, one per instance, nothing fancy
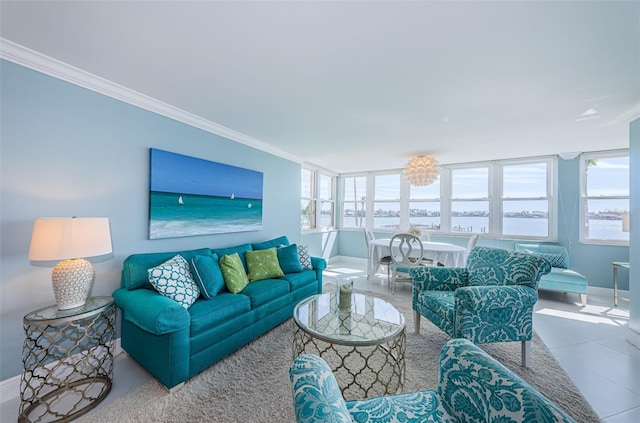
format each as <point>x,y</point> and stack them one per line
<point>588,342</point>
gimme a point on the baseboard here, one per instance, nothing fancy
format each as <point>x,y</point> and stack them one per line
<point>347,259</point>
<point>10,388</point>
<point>633,338</point>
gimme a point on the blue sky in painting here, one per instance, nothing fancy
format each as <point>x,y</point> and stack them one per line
<point>171,172</point>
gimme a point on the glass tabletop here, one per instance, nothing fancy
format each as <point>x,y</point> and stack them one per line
<point>52,313</point>
<point>370,320</point>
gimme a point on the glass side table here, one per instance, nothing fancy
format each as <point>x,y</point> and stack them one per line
<point>67,360</point>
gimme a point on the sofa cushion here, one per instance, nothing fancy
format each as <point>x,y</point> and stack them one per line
<point>135,267</point>
<point>240,249</point>
<point>235,278</point>
<point>173,279</point>
<point>263,264</point>
<point>441,303</point>
<point>264,291</point>
<point>300,279</point>
<point>289,259</point>
<point>208,275</point>
<point>218,310</point>
<point>305,257</point>
<point>276,242</point>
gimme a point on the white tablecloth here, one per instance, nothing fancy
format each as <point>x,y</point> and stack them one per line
<point>448,254</point>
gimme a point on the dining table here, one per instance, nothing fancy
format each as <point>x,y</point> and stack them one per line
<point>450,255</point>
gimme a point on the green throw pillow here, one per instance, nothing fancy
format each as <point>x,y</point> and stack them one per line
<point>235,278</point>
<point>263,264</point>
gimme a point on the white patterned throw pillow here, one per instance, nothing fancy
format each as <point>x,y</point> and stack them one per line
<point>305,257</point>
<point>174,280</point>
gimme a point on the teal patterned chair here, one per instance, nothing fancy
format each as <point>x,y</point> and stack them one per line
<point>490,300</point>
<point>472,387</point>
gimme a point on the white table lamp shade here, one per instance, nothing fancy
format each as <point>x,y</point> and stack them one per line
<point>71,240</point>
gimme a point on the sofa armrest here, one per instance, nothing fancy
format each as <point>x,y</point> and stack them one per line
<point>473,386</point>
<point>316,394</point>
<point>435,278</point>
<point>476,298</point>
<point>318,263</point>
<point>151,311</point>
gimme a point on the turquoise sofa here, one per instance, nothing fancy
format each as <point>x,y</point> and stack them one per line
<point>174,343</point>
<point>561,277</point>
<point>472,387</point>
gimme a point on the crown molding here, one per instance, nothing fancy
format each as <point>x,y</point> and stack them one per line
<point>47,65</point>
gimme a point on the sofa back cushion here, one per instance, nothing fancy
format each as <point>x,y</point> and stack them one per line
<point>275,242</point>
<point>557,255</point>
<point>135,267</point>
<point>495,266</point>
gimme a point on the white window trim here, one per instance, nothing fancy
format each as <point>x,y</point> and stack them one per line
<point>494,197</point>
<point>316,171</point>
<point>582,203</point>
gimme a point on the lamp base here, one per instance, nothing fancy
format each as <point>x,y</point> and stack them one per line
<point>72,282</point>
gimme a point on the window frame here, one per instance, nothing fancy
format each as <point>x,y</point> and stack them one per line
<point>584,198</point>
<point>317,199</point>
<point>494,198</point>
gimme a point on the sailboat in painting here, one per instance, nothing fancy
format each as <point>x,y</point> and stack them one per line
<point>233,196</point>
<point>180,200</point>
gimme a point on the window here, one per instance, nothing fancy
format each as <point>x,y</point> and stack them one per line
<point>502,199</point>
<point>386,206</point>
<point>307,200</point>
<point>353,207</point>
<point>327,203</point>
<point>525,199</point>
<point>424,207</point>
<point>470,200</point>
<point>605,196</point>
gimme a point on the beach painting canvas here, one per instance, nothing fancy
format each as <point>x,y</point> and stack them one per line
<point>190,196</point>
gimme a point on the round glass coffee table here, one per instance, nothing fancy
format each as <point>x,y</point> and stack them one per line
<point>364,345</point>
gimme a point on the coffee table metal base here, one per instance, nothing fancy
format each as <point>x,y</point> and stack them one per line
<point>362,371</point>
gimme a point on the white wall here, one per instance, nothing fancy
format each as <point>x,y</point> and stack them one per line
<point>67,151</point>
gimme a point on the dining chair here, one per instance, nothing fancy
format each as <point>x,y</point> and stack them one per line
<point>472,243</point>
<point>385,261</point>
<point>407,252</point>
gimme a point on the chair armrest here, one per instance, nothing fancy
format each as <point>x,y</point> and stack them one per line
<point>318,263</point>
<point>494,296</point>
<point>468,372</point>
<point>316,394</point>
<point>434,278</point>
<point>151,311</point>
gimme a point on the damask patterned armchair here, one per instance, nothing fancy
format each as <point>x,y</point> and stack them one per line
<point>490,300</point>
<point>472,387</point>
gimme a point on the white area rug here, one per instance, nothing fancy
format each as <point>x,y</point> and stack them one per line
<point>252,385</point>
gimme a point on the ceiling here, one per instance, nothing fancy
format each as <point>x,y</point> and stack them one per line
<point>356,85</point>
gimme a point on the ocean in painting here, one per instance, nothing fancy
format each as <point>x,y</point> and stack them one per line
<point>176,214</point>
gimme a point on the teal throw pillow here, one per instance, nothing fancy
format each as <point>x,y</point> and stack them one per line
<point>305,257</point>
<point>556,259</point>
<point>173,279</point>
<point>206,271</point>
<point>263,264</point>
<point>235,278</point>
<point>288,259</point>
